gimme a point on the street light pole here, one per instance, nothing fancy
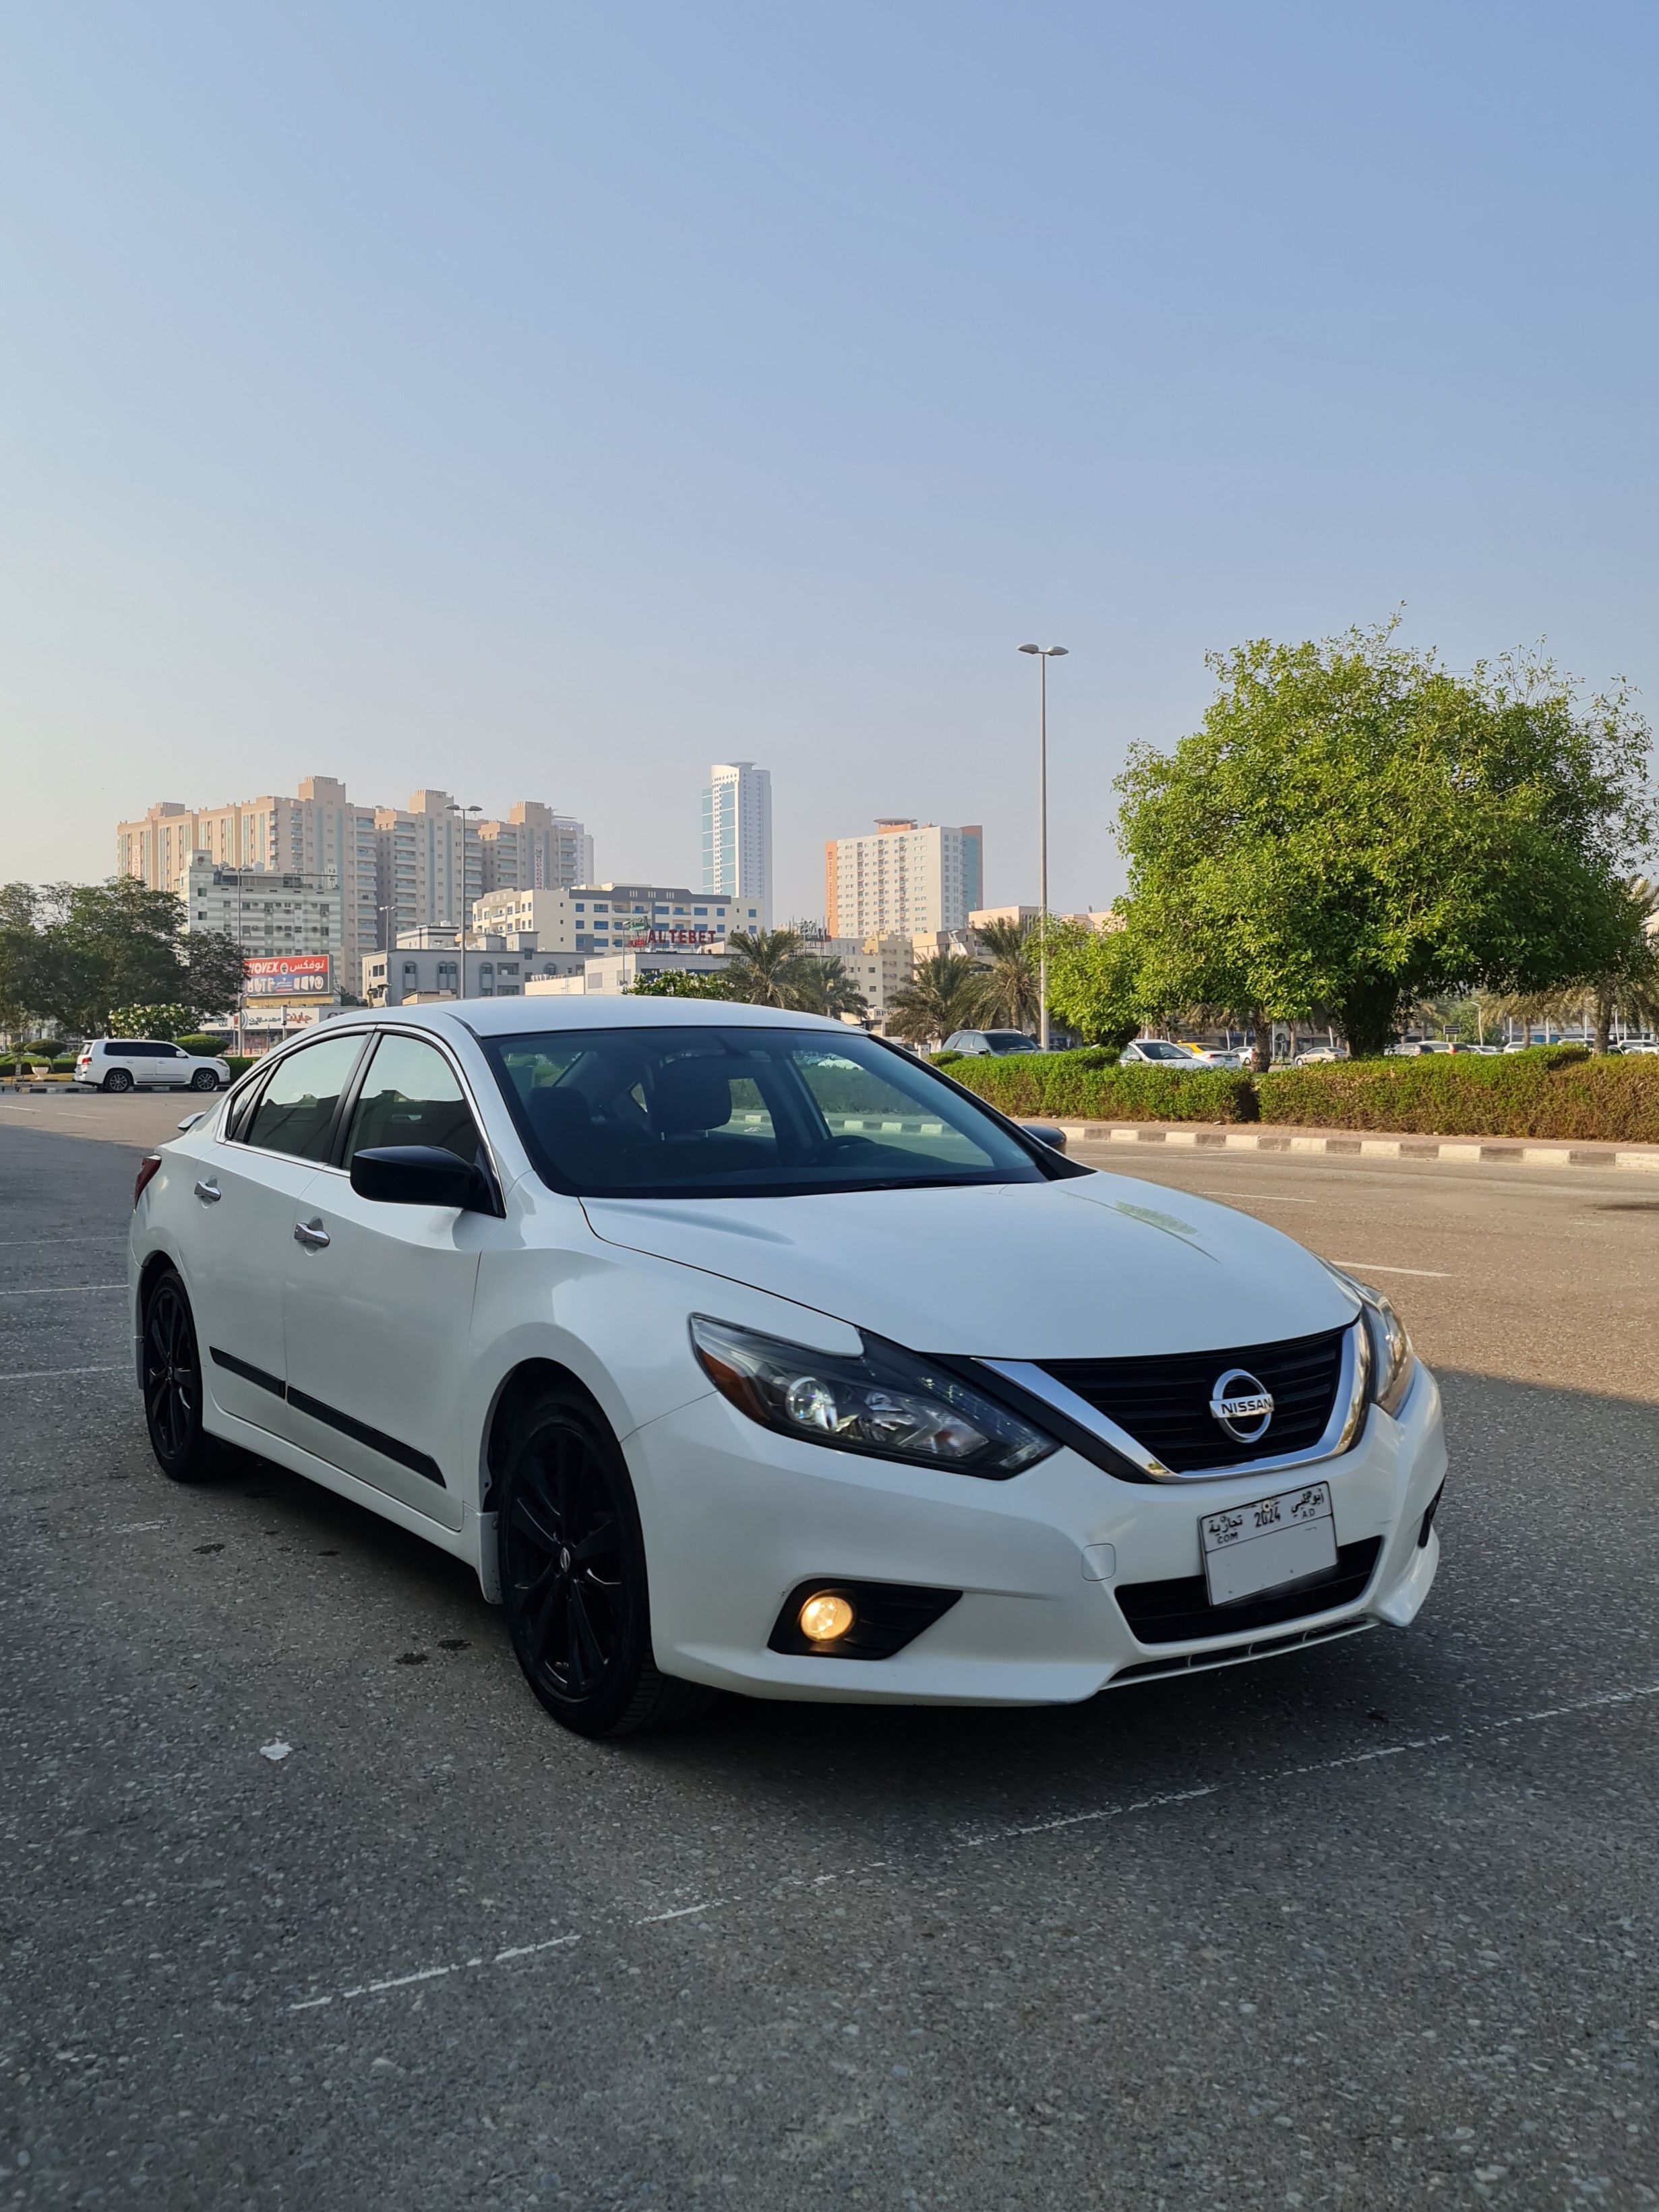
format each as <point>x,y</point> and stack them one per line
<point>1044,654</point>
<point>453,807</point>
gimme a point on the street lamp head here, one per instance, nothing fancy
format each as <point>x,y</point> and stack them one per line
<point>1030,648</point>
<point>1056,653</point>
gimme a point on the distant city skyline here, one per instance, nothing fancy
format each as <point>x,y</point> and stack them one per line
<point>565,409</point>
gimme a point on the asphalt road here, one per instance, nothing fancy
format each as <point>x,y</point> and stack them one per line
<point>1358,1928</point>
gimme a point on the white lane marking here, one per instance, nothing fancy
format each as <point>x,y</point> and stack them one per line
<point>1375,1268</point>
<point>59,1289</point>
<point>431,1973</point>
<point>1604,1700</point>
<point>50,1243</point>
<point>1260,1197</point>
<point>45,1374</point>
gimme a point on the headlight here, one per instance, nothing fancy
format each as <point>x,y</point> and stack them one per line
<point>1393,1361</point>
<point>887,1402</point>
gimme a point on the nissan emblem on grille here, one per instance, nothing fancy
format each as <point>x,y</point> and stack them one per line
<point>1242,1405</point>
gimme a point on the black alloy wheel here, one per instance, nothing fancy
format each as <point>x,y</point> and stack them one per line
<point>204,1079</point>
<point>573,1576</point>
<point>173,1385</point>
<point>119,1078</point>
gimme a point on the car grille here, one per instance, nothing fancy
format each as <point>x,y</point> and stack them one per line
<point>1165,1403</point>
<point>1179,1611</point>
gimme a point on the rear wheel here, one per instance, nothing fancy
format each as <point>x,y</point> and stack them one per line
<point>119,1078</point>
<point>573,1579</point>
<point>173,1385</point>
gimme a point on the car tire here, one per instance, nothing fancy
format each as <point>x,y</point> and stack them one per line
<point>204,1079</point>
<point>173,1386</point>
<point>573,1576</point>
<point>119,1078</point>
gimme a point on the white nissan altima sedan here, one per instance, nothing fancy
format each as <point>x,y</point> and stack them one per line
<point>735,1349</point>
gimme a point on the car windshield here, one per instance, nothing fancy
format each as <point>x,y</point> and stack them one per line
<point>743,1113</point>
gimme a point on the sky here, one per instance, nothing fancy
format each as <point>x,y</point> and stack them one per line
<point>547,400</point>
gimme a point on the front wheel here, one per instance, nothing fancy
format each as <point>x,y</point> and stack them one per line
<point>119,1078</point>
<point>204,1079</point>
<point>573,1579</point>
<point>173,1386</point>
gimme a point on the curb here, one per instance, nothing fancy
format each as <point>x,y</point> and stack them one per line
<point>1516,1151</point>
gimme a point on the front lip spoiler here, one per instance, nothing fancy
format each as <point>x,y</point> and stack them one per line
<point>1348,1409</point>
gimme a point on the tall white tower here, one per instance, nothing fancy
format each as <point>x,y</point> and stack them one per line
<point>736,833</point>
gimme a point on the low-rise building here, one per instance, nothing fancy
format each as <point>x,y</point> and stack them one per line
<point>620,917</point>
<point>611,974</point>
<point>426,963</point>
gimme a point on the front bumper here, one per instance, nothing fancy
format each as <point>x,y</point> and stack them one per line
<point>735,1517</point>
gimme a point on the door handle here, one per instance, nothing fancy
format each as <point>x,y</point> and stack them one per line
<point>208,1192</point>
<point>312,1234</point>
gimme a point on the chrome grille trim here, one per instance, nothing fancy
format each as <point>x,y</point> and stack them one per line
<point>1341,1431</point>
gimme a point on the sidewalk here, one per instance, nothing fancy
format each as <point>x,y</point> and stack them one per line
<point>1272,1137</point>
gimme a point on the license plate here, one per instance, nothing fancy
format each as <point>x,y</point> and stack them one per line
<point>1268,1543</point>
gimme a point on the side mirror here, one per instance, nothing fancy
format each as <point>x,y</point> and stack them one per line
<point>421,1174</point>
<point>1046,1133</point>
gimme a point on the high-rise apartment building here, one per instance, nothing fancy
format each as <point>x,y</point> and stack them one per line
<point>909,877</point>
<point>396,867</point>
<point>737,834</point>
<point>534,850</point>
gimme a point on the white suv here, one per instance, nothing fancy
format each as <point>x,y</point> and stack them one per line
<point>147,1063</point>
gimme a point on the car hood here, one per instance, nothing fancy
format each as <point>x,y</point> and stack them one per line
<point>1094,1267</point>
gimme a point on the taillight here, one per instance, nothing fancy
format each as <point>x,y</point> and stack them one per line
<point>147,1168</point>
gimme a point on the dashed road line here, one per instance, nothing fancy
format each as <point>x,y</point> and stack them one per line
<point>1603,1701</point>
<point>1377,1268</point>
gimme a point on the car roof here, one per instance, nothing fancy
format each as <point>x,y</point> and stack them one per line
<point>525,1017</point>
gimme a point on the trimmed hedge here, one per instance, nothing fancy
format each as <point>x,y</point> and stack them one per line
<point>1087,1085</point>
<point>1553,1091</point>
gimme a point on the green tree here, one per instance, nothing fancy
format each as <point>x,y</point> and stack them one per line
<point>761,965</point>
<point>1353,828</point>
<point>1009,995</point>
<point>1095,982</point>
<point>946,994</point>
<point>115,944</point>
<point>681,983</point>
<point>823,986</point>
<point>1626,983</point>
<point>28,988</point>
<point>213,970</point>
<point>165,1020</point>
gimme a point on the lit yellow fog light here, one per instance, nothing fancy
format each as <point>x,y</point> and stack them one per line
<point>825,1617</point>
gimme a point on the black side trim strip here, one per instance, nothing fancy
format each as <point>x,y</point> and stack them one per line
<point>248,1371</point>
<point>418,1462</point>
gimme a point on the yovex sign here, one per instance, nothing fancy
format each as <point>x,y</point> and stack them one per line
<point>289,975</point>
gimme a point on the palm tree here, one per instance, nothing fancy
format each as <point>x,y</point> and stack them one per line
<point>1009,992</point>
<point>946,994</point>
<point>762,966</point>
<point>824,987</point>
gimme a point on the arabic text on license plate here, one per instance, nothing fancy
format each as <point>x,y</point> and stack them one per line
<point>1270,1541</point>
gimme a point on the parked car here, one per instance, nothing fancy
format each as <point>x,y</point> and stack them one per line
<point>1158,1052</point>
<point>147,1064</point>
<point>998,1040</point>
<point>733,1349</point>
<point>1318,1055</point>
<point>1222,1055</point>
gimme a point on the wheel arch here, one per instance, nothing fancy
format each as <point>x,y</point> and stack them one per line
<point>519,1387</point>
